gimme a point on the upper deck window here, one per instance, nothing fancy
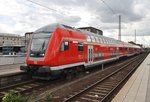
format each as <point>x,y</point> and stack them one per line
<point>108,41</point>
<point>88,39</point>
<point>100,40</point>
<point>97,40</point>
<point>93,39</point>
<point>104,42</point>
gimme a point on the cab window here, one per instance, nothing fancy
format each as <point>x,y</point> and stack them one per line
<point>64,46</point>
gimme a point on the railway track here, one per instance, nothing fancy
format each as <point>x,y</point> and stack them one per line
<point>28,87</point>
<point>22,87</point>
<point>102,90</point>
<point>13,78</point>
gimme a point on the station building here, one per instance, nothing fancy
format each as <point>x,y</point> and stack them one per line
<point>11,43</point>
<point>92,29</point>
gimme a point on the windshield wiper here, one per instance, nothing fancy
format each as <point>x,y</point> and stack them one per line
<point>43,45</point>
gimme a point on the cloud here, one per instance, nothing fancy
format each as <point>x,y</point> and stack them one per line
<point>68,20</point>
<point>3,29</point>
<point>125,8</point>
<point>20,16</point>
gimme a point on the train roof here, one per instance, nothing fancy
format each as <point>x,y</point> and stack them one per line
<point>51,28</point>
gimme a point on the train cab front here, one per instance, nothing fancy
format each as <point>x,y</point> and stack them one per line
<point>42,53</point>
<point>36,59</point>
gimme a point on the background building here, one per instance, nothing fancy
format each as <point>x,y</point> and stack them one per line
<point>140,45</point>
<point>28,37</point>
<point>92,29</point>
<point>11,43</point>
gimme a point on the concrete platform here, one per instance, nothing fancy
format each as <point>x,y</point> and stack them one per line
<point>137,89</point>
<point>10,69</point>
<point>6,60</point>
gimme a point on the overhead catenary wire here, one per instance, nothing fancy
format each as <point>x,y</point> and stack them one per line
<point>45,6</point>
<point>54,10</point>
<point>108,7</point>
<point>119,28</point>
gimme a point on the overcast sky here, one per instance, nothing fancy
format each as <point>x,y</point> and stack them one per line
<point>20,16</point>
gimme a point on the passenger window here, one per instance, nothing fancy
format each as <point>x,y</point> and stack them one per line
<point>80,46</point>
<point>104,42</point>
<point>64,46</point>
<point>93,39</point>
<point>97,40</point>
<point>88,39</point>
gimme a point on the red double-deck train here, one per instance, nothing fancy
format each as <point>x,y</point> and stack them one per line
<point>60,48</point>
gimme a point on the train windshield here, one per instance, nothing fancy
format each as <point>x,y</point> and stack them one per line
<point>39,44</point>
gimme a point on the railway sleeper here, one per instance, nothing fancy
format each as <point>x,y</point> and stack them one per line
<point>13,91</point>
<point>85,99</point>
<point>34,85</point>
<point>102,91</point>
<point>27,87</point>
<point>92,97</point>
<point>110,82</point>
<point>3,93</point>
<point>108,85</point>
<point>100,88</point>
<point>103,86</point>
<point>20,89</point>
<point>96,93</point>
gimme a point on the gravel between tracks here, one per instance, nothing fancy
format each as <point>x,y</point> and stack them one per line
<point>62,91</point>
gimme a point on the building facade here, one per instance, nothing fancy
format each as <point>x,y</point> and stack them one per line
<point>11,43</point>
<point>92,29</point>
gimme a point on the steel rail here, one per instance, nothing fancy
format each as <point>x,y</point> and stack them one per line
<point>100,81</point>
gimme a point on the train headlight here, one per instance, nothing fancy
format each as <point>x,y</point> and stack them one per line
<point>42,54</point>
<point>31,54</point>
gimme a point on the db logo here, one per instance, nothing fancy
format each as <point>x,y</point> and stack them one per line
<point>80,56</point>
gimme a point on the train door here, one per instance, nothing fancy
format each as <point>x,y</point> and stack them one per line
<point>90,54</point>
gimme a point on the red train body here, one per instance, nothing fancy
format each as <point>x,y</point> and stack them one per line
<point>57,47</point>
